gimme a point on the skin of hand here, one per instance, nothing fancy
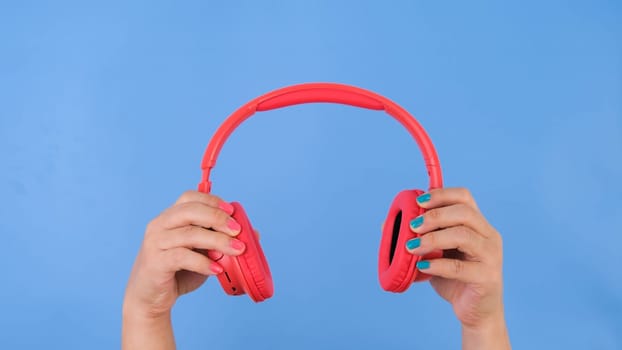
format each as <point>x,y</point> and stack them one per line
<point>173,261</point>
<point>469,276</point>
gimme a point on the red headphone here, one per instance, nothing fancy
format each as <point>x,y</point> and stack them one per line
<point>249,273</point>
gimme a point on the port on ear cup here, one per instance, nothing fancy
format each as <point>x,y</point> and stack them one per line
<point>249,272</point>
<point>396,266</point>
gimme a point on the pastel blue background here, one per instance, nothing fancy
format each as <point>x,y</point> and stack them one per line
<point>106,108</point>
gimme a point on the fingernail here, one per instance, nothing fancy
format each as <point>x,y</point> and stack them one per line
<point>233,225</point>
<point>413,243</point>
<point>214,255</point>
<point>216,268</point>
<point>422,265</point>
<point>237,244</point>
<point>226,207</point>
<point>418,221</point>
<point>423,198</point>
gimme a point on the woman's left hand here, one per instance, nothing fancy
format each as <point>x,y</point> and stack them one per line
<point>469,276</point>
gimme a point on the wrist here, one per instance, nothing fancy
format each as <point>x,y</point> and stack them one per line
<point>489,334</point>
<point>137,306</point>
<point>143,330</point>
<point>136,312</point>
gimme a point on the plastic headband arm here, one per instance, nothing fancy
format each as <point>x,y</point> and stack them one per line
<point>321,92</point>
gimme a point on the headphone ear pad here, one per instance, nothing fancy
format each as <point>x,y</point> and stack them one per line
<point>396,266</point>
<point>249,272</point>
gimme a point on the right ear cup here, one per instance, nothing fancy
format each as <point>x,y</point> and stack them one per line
<point>396,266</point>
<point>249,272</point>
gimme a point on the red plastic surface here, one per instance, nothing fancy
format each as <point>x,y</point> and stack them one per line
<point>249,273</point>
<point>322,92</point>
<point>397,275</point>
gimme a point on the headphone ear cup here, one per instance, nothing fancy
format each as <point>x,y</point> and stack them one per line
<point>396,266</point>
<point>249,272</point>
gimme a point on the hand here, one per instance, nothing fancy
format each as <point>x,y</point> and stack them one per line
<point>172,261</point>
<point>469,276</point>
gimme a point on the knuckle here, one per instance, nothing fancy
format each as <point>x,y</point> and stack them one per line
<point>189,209</point>
<point>177,257</point>
<point>207,198</point>
<point>465,194</point>
<point>187,206</point>
<point>430,240</point>
<point>438,192</point>
<point>187,195</point>
<point>213,198</point>
<point>223,242</point>
<point>434,214</point>
<point>188,230</point>
<point>468,234</point>
<point>464,234</point>
<point>151,237</point>
<point>467,197</point>
<point>159,244</point>
<point>200,237</point>
<point>152,227</point>
<point>210,239</point>
<point>467,213</point>
<point>457,266</point>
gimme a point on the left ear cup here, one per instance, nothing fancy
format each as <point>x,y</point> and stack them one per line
<point>249,272</point>
<point>396,266</point>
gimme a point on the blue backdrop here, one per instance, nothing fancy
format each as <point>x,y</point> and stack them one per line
<point>106,109</point>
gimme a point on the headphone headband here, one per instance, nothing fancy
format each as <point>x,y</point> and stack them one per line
<point>322,92</point>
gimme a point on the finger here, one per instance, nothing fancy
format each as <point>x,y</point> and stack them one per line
<point>461,238</point>
<point>194,237</point>
<point>453,215</point>
<point>442,197</point>
<point>205,198</point>
<point>178,259</point>
<point>198,214</point>
<point>460,270</point>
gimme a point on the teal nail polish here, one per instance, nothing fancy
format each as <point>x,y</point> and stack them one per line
<point>413,243</point>
<point>416,222</point>
<point>424,198</point>
<point>424,264</point>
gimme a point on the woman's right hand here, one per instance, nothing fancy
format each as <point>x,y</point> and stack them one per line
<point>172,259</point>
